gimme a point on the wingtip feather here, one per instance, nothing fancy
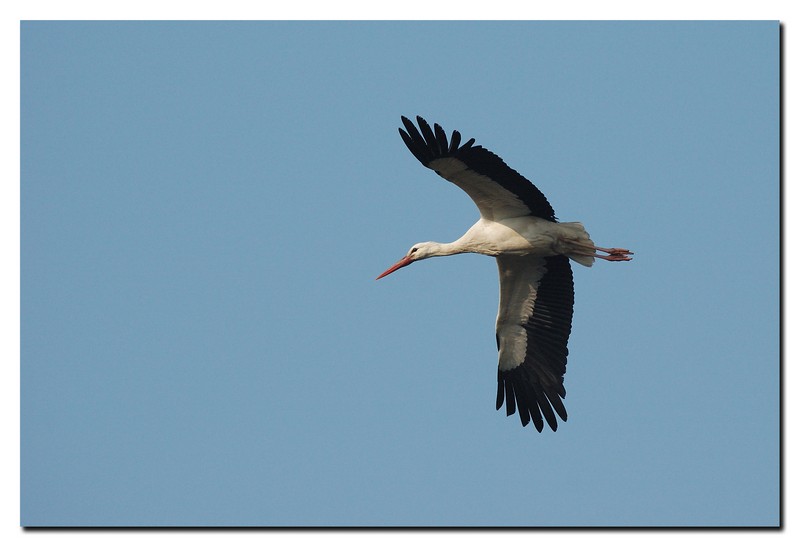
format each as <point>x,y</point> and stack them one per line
<point>441,138</point>
<point>500,393</point>
<point>511,404</point>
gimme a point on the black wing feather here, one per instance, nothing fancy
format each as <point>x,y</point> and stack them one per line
<point>416,144</point>
<point>430,144</point>
<point>510,409</point>
<point>430,138</point>
<point>441,139</point>
<point>455,140</point>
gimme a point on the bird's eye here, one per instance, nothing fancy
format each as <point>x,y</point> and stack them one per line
<point>414,250</point>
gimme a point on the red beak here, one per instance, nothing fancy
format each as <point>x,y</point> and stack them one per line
<point>405,261</point>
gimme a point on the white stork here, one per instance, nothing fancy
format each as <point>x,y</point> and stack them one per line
<point>519,228</point>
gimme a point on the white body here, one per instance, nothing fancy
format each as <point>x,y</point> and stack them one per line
<point>520,245</point>
<point>527,236</point>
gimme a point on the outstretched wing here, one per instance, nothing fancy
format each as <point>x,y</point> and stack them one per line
<point>533,325</point>
<point>497,190</point>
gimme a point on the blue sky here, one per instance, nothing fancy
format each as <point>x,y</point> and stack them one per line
<point>205,206</point>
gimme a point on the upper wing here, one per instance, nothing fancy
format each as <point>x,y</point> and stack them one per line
<point>497,190</point>
<point>533,325</point>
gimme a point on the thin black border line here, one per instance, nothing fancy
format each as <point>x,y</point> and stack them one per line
<point>680,528</point>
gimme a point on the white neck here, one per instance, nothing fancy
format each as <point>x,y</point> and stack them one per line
<point>447,249</point>
<point>464,244</point>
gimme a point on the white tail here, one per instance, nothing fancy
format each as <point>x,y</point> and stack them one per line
<point>576,243</point>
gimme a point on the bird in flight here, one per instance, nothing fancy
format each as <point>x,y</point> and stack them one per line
<point>518,227</point>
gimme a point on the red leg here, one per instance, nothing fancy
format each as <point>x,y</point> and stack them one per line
<point>614,254</point>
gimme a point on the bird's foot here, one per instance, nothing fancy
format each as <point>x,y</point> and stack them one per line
<point>614,254</point>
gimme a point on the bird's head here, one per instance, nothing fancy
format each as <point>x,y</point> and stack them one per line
<point>419,251</point>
